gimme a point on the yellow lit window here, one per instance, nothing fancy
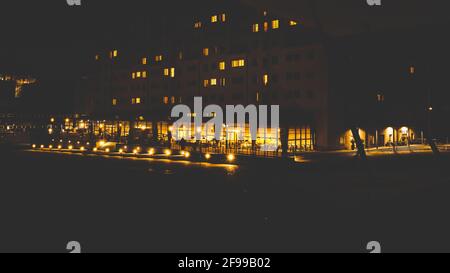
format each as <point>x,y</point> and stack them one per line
<point>206,52</point>
<point>223,81</point>
<point>138,100</point>
<point>172,72</point>
<point>166,100</point>
<point>133,75</point>
<point>144,60</point>
<point>115,53</point>
<point>159,58</point>
<point>133,101</point>
<point>138,74</point>
<point>166,71</point>
<point>205,83</point>
<point>224,17</point>
<point>213,82</point>
<point>255,28</point>
<point>292,23</point>
<point>266,26</point>
<point>214,19</point>
<point>144,74</point>
<point>275,24</point>
<point>266,79</point>
<point>222,66</point>
<point>114,102</point>
<point>238,63</point>
<point>198,25</point>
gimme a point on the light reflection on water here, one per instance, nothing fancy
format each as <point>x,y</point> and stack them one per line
<point>229,168</point>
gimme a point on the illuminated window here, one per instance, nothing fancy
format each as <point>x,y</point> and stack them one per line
<point>380,97</point>
<point>223,82</point>
<point>166,71</point>
<point>172,100</point>
<point>265,13</point>
<point>222,66</point>
<point>206,52</point>
<point>144,74</point>
<point>138,100</point>
<point>133,75</point>
<point>166,100</point>
<point>238,63</point>
<point>275,24</point>
<point>159,58</point>
<point>266,26</point>
<point>198,24</point>
<point>292,23</point>
<point>255,28</point>
<point>97,57</point>
<point>266,79</point>
<point>144,61</point>
<point>172,72</point>
<point>213,82</point>
<point>133,101</point>
<point>205,83</point>
<point>412,70</point>
<point>224,17</point>
<point>114,102</point>
<point>138,74</point>
<point>214,19</point>
<point>115,53</point>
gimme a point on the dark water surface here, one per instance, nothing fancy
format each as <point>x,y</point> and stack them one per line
<point>123,205</point>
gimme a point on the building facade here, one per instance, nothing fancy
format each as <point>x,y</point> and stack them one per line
<point>227,58</point>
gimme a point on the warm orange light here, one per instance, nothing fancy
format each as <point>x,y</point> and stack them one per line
<point>231,157</point>
<point>42,146</point>
<point>50,146</point>
<point>120,151</point>
<point>151,151</point>
<point>107,150</point>
<point>207,156</point>
<point>70,147</point>
<point>82,149</point>
<point>168,152</point>
<point>187,154</point>
<point>135,151</point>
<point>95,150</point>
<point>59,147</point>
<point>34,146</point>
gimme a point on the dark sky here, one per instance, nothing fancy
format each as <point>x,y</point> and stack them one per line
<point>49,39</point>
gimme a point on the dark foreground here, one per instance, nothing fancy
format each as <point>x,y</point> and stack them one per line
<point>122,205</point>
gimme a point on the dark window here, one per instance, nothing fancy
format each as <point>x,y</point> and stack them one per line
<point>275,78</point>
<point>311,55</point>
<point>274,60</point>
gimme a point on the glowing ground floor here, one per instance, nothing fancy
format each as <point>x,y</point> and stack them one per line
<point>293,139</point>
